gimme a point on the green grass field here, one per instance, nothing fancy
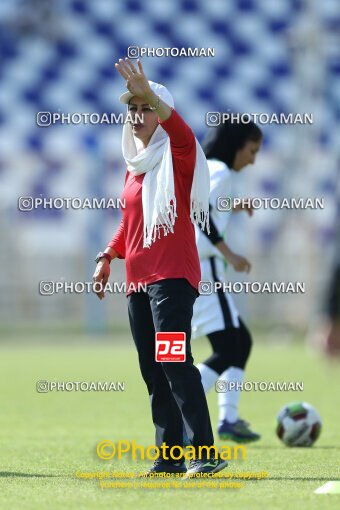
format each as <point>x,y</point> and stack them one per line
<point>46,438</point>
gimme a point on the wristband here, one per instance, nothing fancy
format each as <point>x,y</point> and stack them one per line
<point>157,104</point>
<point>102,255</point>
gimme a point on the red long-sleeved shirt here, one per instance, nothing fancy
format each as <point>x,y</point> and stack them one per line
<point>174,255</point>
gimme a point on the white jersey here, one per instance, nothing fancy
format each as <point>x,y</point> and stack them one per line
<point>215,311</point>
<point>220,186</point>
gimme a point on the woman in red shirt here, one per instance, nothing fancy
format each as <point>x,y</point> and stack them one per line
<point>166,190</point>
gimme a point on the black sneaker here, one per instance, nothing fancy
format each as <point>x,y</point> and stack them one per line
<point>166,466</point>
<point>238,431</point>
<point>205,466</point>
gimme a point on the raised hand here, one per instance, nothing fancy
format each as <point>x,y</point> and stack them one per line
<point>136,81</point>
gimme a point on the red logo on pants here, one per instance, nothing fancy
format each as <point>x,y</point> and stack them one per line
<point>170,346</point>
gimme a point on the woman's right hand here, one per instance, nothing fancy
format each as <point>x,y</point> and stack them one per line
<point>101,276</point>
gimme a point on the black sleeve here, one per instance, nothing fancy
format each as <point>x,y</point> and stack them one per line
<point>214,237</point>
<point>334,295</point>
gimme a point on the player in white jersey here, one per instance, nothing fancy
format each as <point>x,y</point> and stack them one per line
<point>229,148</point>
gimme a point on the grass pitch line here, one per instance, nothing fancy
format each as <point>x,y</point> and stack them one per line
<point>329,488</point>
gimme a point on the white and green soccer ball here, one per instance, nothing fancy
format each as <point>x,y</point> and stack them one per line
<point>298,424</point>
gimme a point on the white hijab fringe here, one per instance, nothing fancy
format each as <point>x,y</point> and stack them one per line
<point>158,189</point>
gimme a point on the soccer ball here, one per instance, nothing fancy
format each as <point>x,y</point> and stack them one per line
<point>298,424</point>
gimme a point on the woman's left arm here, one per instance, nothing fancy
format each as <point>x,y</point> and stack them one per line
<point>182,138</point>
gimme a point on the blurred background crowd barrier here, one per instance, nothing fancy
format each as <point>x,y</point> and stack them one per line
<point>58,56</point>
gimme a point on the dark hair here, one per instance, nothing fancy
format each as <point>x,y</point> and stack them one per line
<point>223,141</point>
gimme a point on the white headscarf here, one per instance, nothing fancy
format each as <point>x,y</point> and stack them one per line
<point>158,190</point>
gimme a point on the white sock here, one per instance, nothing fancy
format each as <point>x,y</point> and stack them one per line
<point>208,375</point>
<point>228,401</point>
